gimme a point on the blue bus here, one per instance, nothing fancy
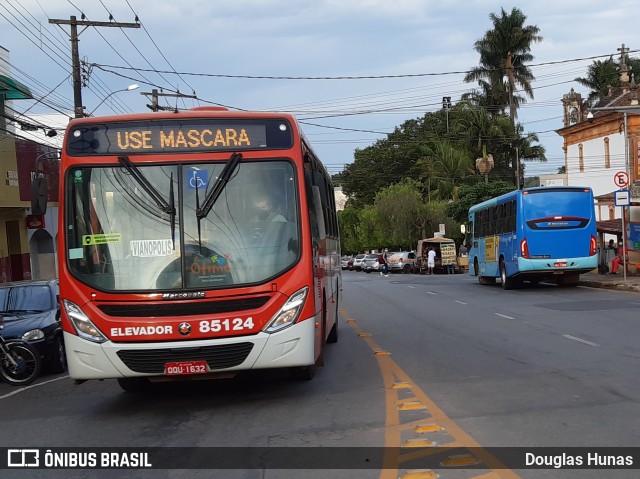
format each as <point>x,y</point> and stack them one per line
<point>535,234</point>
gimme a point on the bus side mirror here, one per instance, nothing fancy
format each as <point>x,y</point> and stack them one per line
<point>39,193</point>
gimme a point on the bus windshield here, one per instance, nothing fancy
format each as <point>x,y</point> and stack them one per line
<point>120,239</point>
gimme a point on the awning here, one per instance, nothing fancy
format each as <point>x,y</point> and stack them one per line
<point>13,90</point>
<point>612,227</point>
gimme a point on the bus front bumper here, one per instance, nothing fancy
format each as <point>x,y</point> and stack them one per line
<point>293,346</point>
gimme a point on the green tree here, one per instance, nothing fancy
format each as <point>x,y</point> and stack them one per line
<point>445,166</point>
<point>486,133</point>
<point>349,221</point>
<point>397,208</point>
<point>504,52</point>
<point>602,74</point>
<point>472,195</point>
<point>369,229</point>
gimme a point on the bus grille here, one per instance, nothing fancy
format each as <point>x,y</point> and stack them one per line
<point>187,308</point>
<point>153,360</point>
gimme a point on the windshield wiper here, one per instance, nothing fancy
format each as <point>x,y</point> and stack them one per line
<point>212,196</point>
<point>168,208</point>
<point>222,180</point>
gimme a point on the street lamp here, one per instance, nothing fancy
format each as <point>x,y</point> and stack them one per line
<point>446,106</point>
<point>129,88</point>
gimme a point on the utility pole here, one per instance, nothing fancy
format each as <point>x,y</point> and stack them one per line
<point>75,56</point>
<point>154,99</point>
<point>512,111</point>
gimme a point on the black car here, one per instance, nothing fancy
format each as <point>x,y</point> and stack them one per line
<point>30,311</point>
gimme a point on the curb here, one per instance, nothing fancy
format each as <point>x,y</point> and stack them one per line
<point>617,286</point>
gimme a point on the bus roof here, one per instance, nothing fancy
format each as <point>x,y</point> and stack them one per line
<point>516,193</point>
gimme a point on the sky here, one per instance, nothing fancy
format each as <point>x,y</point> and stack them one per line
<point>355,69</point>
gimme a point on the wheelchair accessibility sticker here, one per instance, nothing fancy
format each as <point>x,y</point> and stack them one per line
<point>197,179</point>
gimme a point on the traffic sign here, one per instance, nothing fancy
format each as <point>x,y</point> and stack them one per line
<point>621,179</point>
<point>622,198</point>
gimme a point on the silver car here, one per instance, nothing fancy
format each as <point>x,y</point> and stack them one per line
<point>404,262</point>
<point>371,263</point>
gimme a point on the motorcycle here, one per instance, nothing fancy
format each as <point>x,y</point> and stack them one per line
<point>20,363</point>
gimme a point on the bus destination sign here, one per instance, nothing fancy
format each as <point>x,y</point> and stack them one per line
<point>163,137</point>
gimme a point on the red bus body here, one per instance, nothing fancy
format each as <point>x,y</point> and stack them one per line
<point>148,293</point>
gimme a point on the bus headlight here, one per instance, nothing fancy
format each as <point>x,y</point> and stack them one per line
<point>82,324</point>
<point>289,312</point>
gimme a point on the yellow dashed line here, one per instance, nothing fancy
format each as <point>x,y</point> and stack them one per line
<point>426,428</point>
<point>395,380</point>
<point>420,474</point>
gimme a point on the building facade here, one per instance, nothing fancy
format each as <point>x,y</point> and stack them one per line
<point>27,241</point>
<point>602,151</point>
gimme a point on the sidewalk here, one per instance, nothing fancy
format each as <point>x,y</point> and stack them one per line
<point>611,281</point>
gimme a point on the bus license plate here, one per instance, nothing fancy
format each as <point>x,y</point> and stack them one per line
<point>185,367</point>
<point>560,264</point>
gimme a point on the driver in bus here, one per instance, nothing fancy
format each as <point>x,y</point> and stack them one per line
<point>264,210</point>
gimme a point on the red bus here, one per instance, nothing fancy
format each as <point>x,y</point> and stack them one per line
<point>196,243</point>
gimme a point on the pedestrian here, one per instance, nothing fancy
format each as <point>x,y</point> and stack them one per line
<point>431,260</point>
<point>615,262</point>
<point>385,264</point>
<point>463,250</point>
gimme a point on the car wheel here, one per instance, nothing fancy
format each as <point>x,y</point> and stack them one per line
<point>58,362</point>
<point>406,269</point>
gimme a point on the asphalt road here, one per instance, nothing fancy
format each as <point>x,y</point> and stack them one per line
<point>421,360</point>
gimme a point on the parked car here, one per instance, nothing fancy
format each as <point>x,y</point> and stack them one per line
<point>404,262</point>
<point>346,262</point>
<point>30,311</point>
<point>371,263</point>
<point>357,261</point>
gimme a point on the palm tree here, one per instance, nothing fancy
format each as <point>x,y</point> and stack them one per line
<point>446,167</point>
<point>604,74</point>
<point>504,51</point>
<point>600,76</point>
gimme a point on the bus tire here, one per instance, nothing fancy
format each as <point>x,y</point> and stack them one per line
<point>507,283</point>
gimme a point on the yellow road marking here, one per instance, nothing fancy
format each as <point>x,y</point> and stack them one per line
<point>419,474</point>
<point>392,375</point>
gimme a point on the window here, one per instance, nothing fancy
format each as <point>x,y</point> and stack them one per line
<point>581,157</point>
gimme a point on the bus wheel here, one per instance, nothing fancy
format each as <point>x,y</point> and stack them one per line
<point>134,384</point>
<point>304,373</point>
<point>475,267</point>
<point>507,283</point>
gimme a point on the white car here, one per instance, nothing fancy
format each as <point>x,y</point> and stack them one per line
<point>358,260</point>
